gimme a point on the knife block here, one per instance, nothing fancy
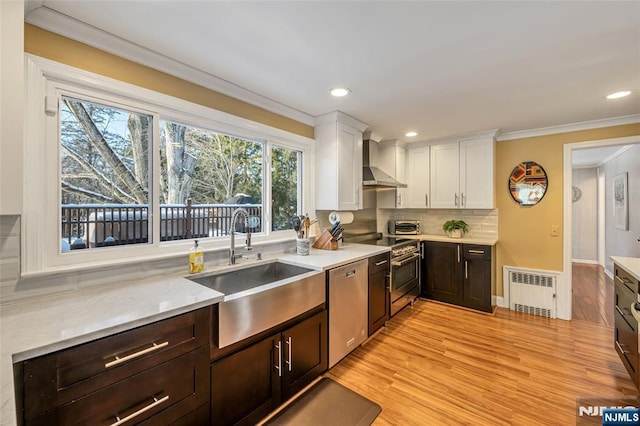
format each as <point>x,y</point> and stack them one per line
<point>326,242</point>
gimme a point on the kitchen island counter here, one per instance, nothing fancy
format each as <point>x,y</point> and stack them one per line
<point>629,264</point>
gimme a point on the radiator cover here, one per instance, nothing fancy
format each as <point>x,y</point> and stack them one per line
<point>532,291</point>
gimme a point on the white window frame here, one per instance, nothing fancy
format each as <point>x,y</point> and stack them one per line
<point>45,81</point>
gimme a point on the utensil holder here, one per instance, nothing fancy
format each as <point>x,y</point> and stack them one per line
<point>326,242</point>
<point>302,246</point>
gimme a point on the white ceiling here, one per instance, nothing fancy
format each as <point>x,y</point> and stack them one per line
<point>439,68</point>
<point>596,157</point>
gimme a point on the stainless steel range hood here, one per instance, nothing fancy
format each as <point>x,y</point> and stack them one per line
<point>373,177</point>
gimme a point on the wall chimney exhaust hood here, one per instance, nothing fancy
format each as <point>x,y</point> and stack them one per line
<point>373,177</point>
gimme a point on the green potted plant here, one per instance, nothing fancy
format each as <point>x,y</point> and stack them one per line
<point>455,228</point>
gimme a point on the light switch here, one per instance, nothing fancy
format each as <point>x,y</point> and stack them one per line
<point>555,230</point>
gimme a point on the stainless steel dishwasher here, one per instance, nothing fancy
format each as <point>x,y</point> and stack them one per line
<point>348,304</point>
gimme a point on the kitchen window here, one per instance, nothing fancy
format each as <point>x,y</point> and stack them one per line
<point>140,174</point>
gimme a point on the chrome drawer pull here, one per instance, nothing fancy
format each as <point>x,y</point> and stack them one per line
<point>119,360</point>
<point>155,403</point>
<point>351,273</point>
<point>288,361</point>
<point>382,262</point>
<point>619,311</point>
<point>622,350</point>
<point>279,366</point>
<point>476,251</point>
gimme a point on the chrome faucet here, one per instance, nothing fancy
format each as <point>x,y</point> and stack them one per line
<point>232,249</point>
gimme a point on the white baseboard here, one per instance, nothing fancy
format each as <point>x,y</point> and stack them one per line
<point>609,273</point>
<point>498,301</point>
<point>589,262</point>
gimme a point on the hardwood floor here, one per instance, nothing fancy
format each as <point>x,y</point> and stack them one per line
<point>593,293</point>
<point>437,365</point>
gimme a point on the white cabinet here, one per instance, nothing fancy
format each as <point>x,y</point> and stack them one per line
<point>477,176</point>
<point>338,162</point>
<point>462,174</point>
<point>392,160</point>
<point>11,106</point>
<point>417,175</point>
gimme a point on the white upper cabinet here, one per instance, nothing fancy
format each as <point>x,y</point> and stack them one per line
<point>11,107</point>
<point>417,192</point>
<point>462,174</point>
<point>338,162</point>
<point>445,176</point>
<point>477,176</point>
<point>392,160</point>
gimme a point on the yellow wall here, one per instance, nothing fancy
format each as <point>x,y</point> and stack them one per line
<point>64,50</point>
<point>525,232</point>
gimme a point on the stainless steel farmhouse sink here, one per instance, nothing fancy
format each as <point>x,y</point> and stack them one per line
<point>251,277</point>
<point>259,297</point>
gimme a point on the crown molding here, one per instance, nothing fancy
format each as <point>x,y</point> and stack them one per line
<point>488,134</point>
<point>66,26</point>
<point>341,117</point>
<point>571,127</point>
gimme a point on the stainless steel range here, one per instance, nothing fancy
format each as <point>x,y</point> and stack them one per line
<point>405,274</point>
<point>405,267</point>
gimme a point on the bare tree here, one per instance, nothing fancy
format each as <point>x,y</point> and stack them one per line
<point>180,163</point>
<point>131,183</point>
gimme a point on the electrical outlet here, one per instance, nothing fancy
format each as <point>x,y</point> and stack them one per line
<point>555,230</point>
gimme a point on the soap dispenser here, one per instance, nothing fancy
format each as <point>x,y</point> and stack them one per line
<point>196,259</point>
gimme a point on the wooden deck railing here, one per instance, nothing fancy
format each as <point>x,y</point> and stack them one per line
<point>99,225</point>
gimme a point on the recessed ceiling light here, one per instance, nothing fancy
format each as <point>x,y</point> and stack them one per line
<point>619,95</point>
<point>339,92</point>
<point>411,134</point>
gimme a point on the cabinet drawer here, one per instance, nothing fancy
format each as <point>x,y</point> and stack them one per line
<point>54,379</point>
<point>168,391</point>
<point>379,263</point>
<point>623,277</point>
<point>624,298</point>
<point>626,344</point>
<point>476,251</point>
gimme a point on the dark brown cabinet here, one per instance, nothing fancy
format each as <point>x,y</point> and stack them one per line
<point>626,326</point>
<point>154,372</point>
<point>442,272</point>
<point>249,384</point>
<point>460,274</point>
<point>379,298</point>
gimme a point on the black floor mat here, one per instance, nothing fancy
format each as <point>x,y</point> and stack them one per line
<point>328,403</point>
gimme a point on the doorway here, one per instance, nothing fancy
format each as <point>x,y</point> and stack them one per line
<point>588,290</point>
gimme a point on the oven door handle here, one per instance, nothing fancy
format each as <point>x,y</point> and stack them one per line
<point>405,261</point>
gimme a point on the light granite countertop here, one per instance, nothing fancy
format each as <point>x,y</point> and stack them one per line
<point>629,264</point>
<point>36,327</point>
<point>445,239</point>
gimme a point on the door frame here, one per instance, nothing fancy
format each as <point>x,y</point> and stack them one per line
<point>564,293</point>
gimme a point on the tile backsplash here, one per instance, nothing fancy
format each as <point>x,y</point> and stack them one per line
<point>482,223</point>
<point>9,252</point>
